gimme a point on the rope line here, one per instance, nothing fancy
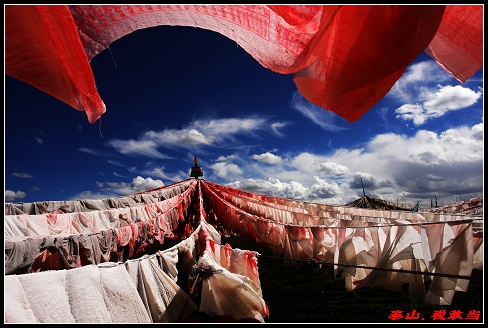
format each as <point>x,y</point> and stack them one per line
<point>100,127</point>
<point>314,262</point>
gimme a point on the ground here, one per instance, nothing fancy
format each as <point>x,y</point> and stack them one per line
<point>309,294</point>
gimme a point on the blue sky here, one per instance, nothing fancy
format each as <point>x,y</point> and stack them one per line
<point>174,92</point>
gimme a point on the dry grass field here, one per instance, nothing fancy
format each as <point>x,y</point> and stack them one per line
<point>310,294</point>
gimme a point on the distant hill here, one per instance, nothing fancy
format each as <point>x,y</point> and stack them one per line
<point>379,204</point>
<point>471,207</point>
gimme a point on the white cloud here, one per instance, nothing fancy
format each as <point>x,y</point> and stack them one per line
<point>159,172</point>
<point>22,175</point>
<point>93,152</point>
<point>438,103</point>
<point>323,118</point>
<point>433,177</point>
<point>277,126</point>
<point>323,189</point>
<point>140,184</point>
<point>320,191</point>
<point>205,132</point>
<point>94,195</point>
<point>115,163</point>
<point>137,147</point>
<point>409,87</point>
<point>272,186</point>
<point>229,126</point>
<point>120,175</point>
<point>477,132</point>
<point>10,195</point>
<point>334,169</point>
<point>452,146</point>
<point>333,165</point>
<point>110,189</point>
<point>391,166</point>
<point>291,190</point>
<point>225,170</point>
<point>268,158</point>
<point>194,137</point>
<point>413,112</point>
<point>226,158</point>
<point>449,97</point>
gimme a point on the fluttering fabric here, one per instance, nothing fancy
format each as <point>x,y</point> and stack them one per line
<point>82,295</point>
<point>436,243</point>
<point>141,290</point>
<point>90,294</point>
<point>88,205</point>
<point>369,248</point>
<point>345,58</point>
<point>41,242</point>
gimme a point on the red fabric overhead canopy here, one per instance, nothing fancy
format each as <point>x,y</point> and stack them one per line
<point>345,57</point>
